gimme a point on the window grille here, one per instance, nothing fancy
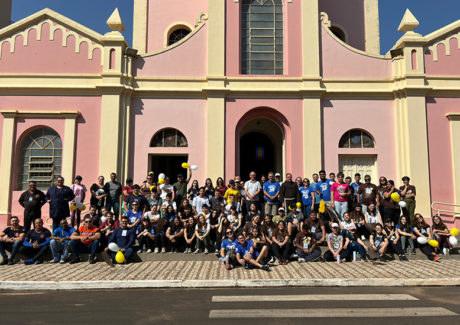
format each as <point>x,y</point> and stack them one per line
<point>356,139</point>
<point>169,138</point>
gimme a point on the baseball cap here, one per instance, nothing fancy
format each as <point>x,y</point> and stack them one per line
<point>352,227</point>
<point>180,175</point>
<point>280,209</point>
<point>334,225</point>
<point>277,175</point>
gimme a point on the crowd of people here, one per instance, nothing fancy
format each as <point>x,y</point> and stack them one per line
<point>251,223</point>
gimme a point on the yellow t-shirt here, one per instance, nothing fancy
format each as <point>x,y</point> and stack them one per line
<point>229,191</point>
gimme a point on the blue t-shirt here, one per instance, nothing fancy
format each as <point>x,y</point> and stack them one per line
<point>227,244</point>
<point>61,233</point>
<point>355,190</point>
<point>138,230</point>
<point>325,188</point>
<point>244,250</point>
<point>314,186</point>
<point>272,189</point>
<point>133,217</point>
<point>306,195</point>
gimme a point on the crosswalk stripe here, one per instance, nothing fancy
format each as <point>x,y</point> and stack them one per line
<point>331,312</point>
<point>372,297</point>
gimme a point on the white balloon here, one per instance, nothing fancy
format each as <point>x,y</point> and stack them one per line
<point>114,247</point>
<point>422,240</point>
<point>194,167</point>
<point>79,205</point>
<point>402,204</point>
<point>100,191</point>
<point>103,219</point>
<point>453,241</point>
<point>161,176</point>
<point>77,200</point>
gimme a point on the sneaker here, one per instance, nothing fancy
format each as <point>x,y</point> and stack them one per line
<point>363,237</point>
<point>174,251</point>
<point>196,251</point>
<point>228,267</point>
<point>92,259</point>
<point>156,250</point>
<point>139,251</point>
<point>246,265</point>
<point>149,251</point>
<point>53,261</point>
<point>293,256</point>
<point>62,262</point>
<point>206,251</point>
<point>106,257</point>
<point>301,260</point>
<point>413,252</point>
<point>38,262</point>
<point>266,267</point>
<point>163,250</point>
<point>436,259</point>
<point>10,261</point>
<point>75,260</point>
<point>29,261</point>
<point>272,260</point>
<point>5,261</point>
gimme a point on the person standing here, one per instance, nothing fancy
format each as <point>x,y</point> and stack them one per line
<point>180,187</point>
<point>408,193</point>
<point>340,192</point>
<point>252,188</point>
<point>114,191</point>
<point>368,193</point>
<point>11,240</point>
<point>289,193</point>
<point>32,201</point>
<point>80,193</point>
<point>314,185</point>
<point>58,197</point>
<point>98,194</point>
<point>127,190</point>
<point>391,208</point>
<point>308,197</point>
<point>271,191</point>
<point>355,187</point>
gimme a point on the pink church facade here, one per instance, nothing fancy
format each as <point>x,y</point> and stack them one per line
<point>230,85</point>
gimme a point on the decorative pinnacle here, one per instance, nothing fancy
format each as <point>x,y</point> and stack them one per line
<point>115,23</point>
<point>408,23</point>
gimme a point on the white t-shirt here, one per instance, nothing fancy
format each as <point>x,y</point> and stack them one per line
<point>252,188</point>
<point>165,189</point>
<point>237,206</point>
<point>372,219</point>
<point>165,204</point>
<point>208,227</point>
<point>347,225</point>
<point>198,203</point>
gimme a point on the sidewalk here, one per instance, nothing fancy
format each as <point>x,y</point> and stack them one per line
<point>192,274</point>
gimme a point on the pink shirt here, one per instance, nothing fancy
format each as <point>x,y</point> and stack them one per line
<point>78,190</point>
<point>338,188</point>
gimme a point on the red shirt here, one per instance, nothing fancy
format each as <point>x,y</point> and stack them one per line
<point>128,189</point>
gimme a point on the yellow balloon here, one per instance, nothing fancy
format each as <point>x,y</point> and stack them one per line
<point>120,258</point>
<point>161,181</point>
<point>454,232</point>
<point>433,243</point>
<point>299,205</point>
<point>83,208</point>
<point>185,165</point>
<point>395,197</point>
<point>73,207</point>
<point>152,188</point>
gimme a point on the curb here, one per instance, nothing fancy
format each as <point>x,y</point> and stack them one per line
<point>157,284</point>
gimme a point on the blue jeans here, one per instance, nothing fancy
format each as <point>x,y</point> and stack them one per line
<point>128,253</point>
<point>115,204</point>
<point>306,211</point>
<point>59,251</point>
<point>10,247</point>
<point>341,208</point>
<point>77,247</point>
<point>356,247</point>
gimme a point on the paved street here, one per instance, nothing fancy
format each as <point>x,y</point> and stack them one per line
<point>413,305</point>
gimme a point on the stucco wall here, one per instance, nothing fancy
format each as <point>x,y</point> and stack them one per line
<point>374,116</point>
<point>151,115</point>
<point>163,14</point>
<point>445,64</point>
<point>48,56</point>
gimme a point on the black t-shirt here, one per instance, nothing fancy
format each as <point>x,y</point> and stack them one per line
<point>140,199</point>
<point>94,201</point>
<point>11,233</point>
<point>40,237</point>
<point>32,203</point>
<point>378,239</point>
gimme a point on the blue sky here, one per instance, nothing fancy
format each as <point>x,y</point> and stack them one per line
<point>432,14</point>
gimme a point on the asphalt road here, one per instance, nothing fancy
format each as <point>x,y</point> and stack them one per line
<point>219,306</point>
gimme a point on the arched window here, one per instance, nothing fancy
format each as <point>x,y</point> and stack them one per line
<point>262,37</point>
<point>40,158</point>
<point>177,33</point>
<point>169,138</point>
<point>356,139</point>
<point>337,31</point>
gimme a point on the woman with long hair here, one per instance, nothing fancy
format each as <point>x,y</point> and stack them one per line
<point>190,235</point>
<point>193,190</point>
<point>202,235</point>
<point>441,234</point>
<point>372,217</point>
<point>208,188</point>
<point>423,230</point>
<point>145,236</point>
<point>358,218</point>
<point>280,246</point>
<point>175,235</point>
<point>406,234</point>
<point>220,185</point>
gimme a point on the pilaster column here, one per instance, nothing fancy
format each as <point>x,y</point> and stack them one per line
<point>6,160</point>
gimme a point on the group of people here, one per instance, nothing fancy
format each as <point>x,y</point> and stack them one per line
<point>249,223</point>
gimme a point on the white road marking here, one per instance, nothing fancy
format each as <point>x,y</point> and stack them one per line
<point>331,312</point>
<point>20,293</point>
<point>344,297</point>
